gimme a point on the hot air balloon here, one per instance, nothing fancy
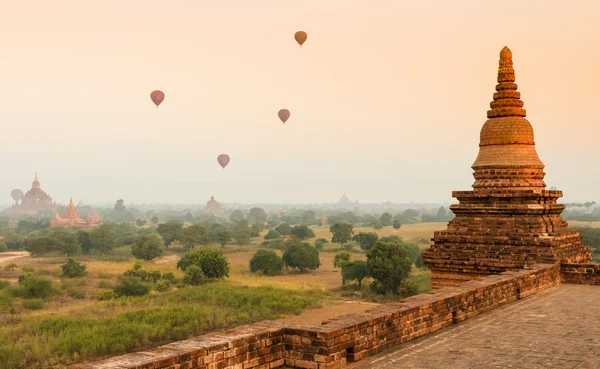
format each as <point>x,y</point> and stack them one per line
<point>157,97</point>
<point>223,160</point>
<point>16,194</point>
<point>300,37</point>
<point>284,115</point>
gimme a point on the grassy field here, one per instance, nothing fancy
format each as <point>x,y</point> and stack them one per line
<point>74,325</point>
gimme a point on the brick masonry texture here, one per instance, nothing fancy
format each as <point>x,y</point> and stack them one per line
<point>345,339</point>
<point>509,220</point>
<point>580,273</point>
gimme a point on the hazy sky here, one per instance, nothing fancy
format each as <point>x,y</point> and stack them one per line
<point>387,97</point>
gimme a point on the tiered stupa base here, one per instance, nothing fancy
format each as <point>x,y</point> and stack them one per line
<point>499,230</point>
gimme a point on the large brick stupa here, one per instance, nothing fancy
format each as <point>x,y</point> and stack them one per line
<point>509,220</point>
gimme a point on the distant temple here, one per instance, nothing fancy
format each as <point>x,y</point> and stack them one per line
<point>344,200</point>
<point>71,218</point>
<point>34,201</point>
<point>213,206</point>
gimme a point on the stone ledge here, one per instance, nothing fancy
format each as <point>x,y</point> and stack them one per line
<point>347,338</point>
<point>580,273</point>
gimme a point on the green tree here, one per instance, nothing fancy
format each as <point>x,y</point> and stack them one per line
<point>366,240</point>
<point>140,222</point>
<point>241,235</point>
<point>196,234</point>
<point>72,269</point>
<point>12,240</point>
<point>397,224</point>
<point>193,275</point>
<point>272,234</point>
<point>301,255</point>
<point>355,271</point>
<point>223,237</point>
<point>442,214</point>
<point>39,245</point>
<point>342,232</point>
<point>147,247</point>
<point>130,286</point>
<point>284,229</point>
<point>154,274</point>
<point>386,219</point>
<point>212,262</point>
<point>85,241</point>
<point>170,231</point>
<point>257,215</point>
<point>66,241</point>
<point>388,265</point>
<point>302,232</point>
<point>411,213</point>
<point>320,243</point>
<point>154,220</point>
<point>237,216</point>
<point>255,230</point>
<point>341,258</point>
<point>267,262</point>
<point>103,238</point>
<point>120,206</point>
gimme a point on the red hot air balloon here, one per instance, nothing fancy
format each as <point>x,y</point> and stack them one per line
<point>223,160</point>
<point>16,194</point>
<point>300,37</point>
<point>284,115</point>
<point>157,97</point>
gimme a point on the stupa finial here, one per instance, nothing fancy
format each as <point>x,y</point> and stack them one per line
<point>507,101</point>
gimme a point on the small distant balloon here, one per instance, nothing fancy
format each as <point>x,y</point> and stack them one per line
<point>223,160</point>
<point>16,194</point>
<point>284,115</point>
<point>300,37</point>
<point>157,97</point>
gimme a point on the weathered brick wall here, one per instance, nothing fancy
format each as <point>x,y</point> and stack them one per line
<point>580,273</point>
<point>345,339</point>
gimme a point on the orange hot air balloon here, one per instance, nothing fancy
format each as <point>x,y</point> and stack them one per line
<point>157,97</point>
<point>223,160</point>
<point>300,37</point>
<point>284,115</point>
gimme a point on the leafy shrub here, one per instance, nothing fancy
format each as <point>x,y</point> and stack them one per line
<point>163,285</point>
<point>341,258</point>
<point>276,244</point>
<point>388,265</point>
<point>76,293</point>
<point>301,255</point>
<point>107,295</point>
<point>154,275</point>
<point>147,247</point>
<point>130,286</point>
<point>211,261</point>
<point>273,234</point>
<point>320,243</point>
<point>10,266</point>
<point>73,269</point>
<point>408,287</point>
<point>33,304</point>
<point>366,240</point>
<point>354,271</point>
<point>4,284</point>
<point>193,275</point>
<point>267,262</point>
<point>105,284</point>
<point>349,246</point>
<point>169,276</point>
<point>31,287</point>
<point>302,232</point>
<point>419,261</point>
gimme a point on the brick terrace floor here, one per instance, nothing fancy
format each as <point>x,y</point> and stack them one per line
<point>556,328</point>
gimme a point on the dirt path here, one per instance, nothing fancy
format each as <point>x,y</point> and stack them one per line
<point>316,316</point>
<point>6,256</point>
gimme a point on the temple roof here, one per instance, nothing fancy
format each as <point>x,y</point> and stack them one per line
<point>507,156</point>
<point>36,183</point>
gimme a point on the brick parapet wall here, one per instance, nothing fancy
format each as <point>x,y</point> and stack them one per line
<point>348,338</point>
<point>580,273</point>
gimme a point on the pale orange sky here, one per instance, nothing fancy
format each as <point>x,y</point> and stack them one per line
<point>386,97</point>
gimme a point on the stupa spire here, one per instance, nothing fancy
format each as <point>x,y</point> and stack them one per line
<point>506,101</point>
